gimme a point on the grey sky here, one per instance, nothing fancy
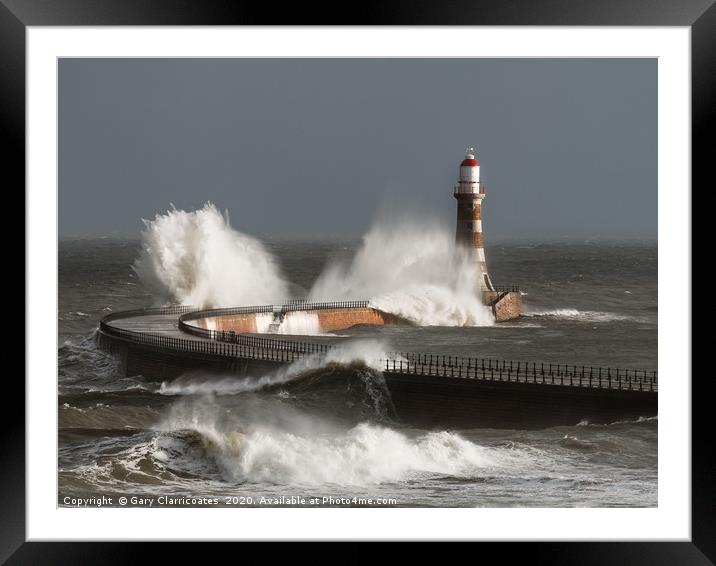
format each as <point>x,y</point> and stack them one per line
<point>316,148</point>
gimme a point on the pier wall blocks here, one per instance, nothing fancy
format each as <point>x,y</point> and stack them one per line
<point>507,308</point>
<point>240,323</point>
<point>340,319</point>
<point>328,320</point>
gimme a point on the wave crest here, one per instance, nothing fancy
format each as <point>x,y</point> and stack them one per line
<point>574,314</point>
<point>197,258</point>
<point>410,268</point>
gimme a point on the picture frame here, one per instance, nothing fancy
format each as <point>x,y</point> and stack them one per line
<point>16,16</point>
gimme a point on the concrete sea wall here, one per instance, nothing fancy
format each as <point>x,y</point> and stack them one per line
<point>329,320</point>
<point>423,400</point>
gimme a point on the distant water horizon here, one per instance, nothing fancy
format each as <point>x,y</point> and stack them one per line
<point>636,240</point>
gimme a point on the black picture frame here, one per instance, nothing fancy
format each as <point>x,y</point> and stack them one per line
<point>700,15</point>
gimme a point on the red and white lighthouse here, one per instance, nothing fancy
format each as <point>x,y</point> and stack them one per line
<point>469,193</point>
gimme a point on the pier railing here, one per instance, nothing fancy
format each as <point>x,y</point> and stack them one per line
<point>232,337</point>
<point>229,344</point>
<point>524,372</point>
<point>222,349</point>
<point>507,288</point>
<point>177,309</point>
<point>326,305</point>
<point>295,305</point>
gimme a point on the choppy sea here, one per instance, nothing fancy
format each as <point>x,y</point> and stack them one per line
<point>328,434</point>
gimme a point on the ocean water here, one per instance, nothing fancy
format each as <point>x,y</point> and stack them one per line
<point>329,432</point>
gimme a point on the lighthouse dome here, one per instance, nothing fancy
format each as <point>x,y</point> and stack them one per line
<point>470,168</point>
<point>469,160</point>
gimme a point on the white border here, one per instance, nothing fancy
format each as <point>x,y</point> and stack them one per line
<point>670,521</point>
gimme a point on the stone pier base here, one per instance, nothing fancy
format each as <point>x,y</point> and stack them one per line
<point>505,306</point>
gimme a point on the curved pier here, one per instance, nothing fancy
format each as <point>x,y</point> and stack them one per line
<point>426,389</point>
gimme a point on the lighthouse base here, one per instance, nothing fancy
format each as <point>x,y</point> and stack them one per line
<point>505,306</point>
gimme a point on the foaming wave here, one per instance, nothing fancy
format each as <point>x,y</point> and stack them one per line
<point>412,269</point>
<point>355,457</point>
<point>638,420</point>
<point>197,258</point>
<point>123,385</point>
<point>292,447</point>
<point>435,305</point>
<point>267,439</point>
<point>574,314</point>
<point>409,268</point>
<point>163,458</point>
<point>259,454</point>
<point>367,353</point>
<point>296,323</point>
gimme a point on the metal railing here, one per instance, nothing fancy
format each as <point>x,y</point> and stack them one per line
<point>507,288</point>
<point>325,305</point>
<point>229,344</point>
<point>481,190</point>
<point>176,309</point>
<point>231,337</point>
<point>524,372</point>
<point>205,347</point>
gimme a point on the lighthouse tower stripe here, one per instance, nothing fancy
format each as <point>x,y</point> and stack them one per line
<point>469,193</point>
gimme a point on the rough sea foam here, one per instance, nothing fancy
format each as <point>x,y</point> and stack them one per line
<point>197,258</point>
<point>409,268</point>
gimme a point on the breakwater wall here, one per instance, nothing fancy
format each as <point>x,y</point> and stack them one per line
<point>506,302</point>
<point>426,389</point>
<point>318,317</point>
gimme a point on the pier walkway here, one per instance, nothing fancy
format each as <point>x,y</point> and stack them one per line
<point>170,329</point>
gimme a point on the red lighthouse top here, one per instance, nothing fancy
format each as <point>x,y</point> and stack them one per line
<point>469,160</point>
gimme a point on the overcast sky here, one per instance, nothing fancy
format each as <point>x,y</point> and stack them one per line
<point>317,148</point>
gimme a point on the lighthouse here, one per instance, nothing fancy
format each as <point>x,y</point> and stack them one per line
<point>470,192</point>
